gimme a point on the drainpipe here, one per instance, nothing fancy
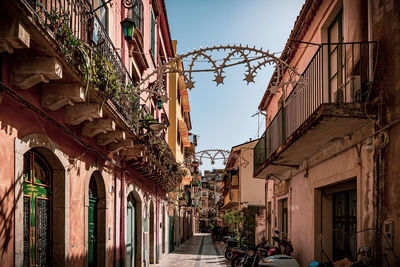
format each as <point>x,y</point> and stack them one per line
<point>122,220</point>
<point>378,165</point>
<point>115,218</point>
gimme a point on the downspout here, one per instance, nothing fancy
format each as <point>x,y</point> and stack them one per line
<point>122,219</point>
<point>115,218</point>
<point>378,173</point>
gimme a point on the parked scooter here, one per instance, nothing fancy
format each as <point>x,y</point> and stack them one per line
<point>238,254</point>
<point>281,255</point>
<point>230,244</point>
<point>363,251</point>
<point>254,254</point>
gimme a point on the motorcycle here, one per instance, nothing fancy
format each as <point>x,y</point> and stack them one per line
<point>253,254</point>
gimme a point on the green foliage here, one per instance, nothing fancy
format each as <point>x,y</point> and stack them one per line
<point>94,67</point>
<point>242,221</point>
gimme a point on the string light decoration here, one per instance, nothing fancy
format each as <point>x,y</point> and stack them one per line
<point>219,154</point>
<point>252,58</point>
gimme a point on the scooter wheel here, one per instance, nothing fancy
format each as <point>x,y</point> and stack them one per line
<point>235,261</point>
<point>228,254</point>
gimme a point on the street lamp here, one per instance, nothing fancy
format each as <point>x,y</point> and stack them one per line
<point>127,26</point>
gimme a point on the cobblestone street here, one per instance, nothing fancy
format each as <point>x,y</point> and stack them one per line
<point>198,251</point>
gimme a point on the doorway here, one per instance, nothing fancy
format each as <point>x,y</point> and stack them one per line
<point>92,223</point>
<point>344,224</point>
<point>151,232</point>
<point>163,231</point>
<point>96,237</point>
<point>131,233</point>
<point>133,230</point>
<point>37,210</point>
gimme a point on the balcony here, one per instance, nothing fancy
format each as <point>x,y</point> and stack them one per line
<point>332,104</point>
<point>231,199</point>
<point>61,48</point>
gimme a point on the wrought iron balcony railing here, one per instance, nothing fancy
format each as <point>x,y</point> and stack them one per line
<point>87,27</point>
<point>337,73</point>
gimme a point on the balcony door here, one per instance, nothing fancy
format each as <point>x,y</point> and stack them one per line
<point>336,60</point>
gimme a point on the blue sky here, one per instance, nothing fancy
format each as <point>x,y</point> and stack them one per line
<point>221,115</point>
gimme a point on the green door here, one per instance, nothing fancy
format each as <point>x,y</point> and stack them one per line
<point>92,231</point>
<point>171,233</point>
<point>37,206</point>
<point>130,235</point>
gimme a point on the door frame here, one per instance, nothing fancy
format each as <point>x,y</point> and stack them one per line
<point>102,207</point>
<point>59,164</point>
<point>138,196</point>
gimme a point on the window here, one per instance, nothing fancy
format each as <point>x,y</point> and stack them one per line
<point>101,11</point>
<point>336,60</point>
<point>153,35</point>
<point>137,14</point>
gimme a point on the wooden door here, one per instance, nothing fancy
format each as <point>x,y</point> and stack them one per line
<point>130,235</point>
<point>37,210</point>
<point>92,231</point>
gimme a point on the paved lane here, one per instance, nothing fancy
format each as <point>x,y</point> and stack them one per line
<point>198,251</point>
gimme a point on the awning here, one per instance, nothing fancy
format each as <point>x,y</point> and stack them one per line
<point>184,95</point>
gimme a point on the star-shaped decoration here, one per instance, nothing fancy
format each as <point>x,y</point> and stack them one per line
<point>190,84</point>
<point>249,78</point>
<point>219,79</point>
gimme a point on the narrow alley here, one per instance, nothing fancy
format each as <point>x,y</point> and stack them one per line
<point>198,251</point>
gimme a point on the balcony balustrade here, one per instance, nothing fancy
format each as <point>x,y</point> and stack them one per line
<point>85,26</point>
<point>337,89</point>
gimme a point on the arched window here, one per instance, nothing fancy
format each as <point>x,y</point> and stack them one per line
<point>37,207</point>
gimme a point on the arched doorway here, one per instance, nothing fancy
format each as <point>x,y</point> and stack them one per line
<point>38,201</point>
<point>151,232</point>
<point>96,221</point>
<point>59,199</point>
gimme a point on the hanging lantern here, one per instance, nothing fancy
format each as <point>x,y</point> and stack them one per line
<point>127,27</point>
<point>159,104</point>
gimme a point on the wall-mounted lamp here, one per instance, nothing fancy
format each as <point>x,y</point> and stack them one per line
<point>159,104</point>
<point>127,26</point>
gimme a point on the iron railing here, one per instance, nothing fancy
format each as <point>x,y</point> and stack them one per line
<point>86,26</point>
<point>337,73</point>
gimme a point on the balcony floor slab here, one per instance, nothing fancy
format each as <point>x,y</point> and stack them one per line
<point>328,123</point>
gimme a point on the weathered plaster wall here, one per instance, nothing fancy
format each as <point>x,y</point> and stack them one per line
<point>7,135</point>
<point>339,162</point>
<point>385,29</point>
